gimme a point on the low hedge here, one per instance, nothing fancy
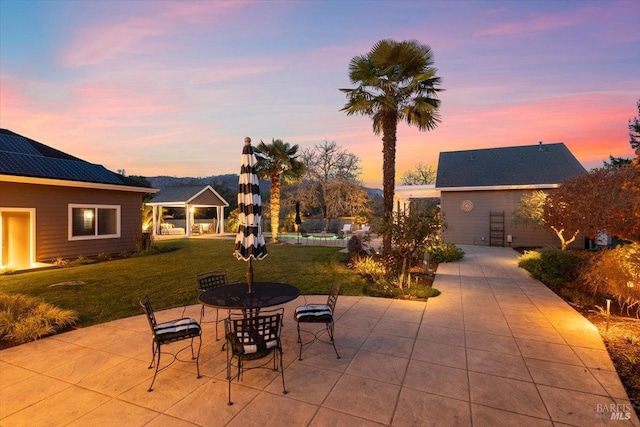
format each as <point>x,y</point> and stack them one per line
<point>553,266</point>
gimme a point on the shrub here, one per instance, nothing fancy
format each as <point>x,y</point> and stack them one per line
<point>532,262</point>
<point>82,260</point>
<point>382,288</point>
<point>7,269</point>
<point>423,292</point>
<point>559,267</point>
<point>60,262</point>
<point>232,221</point>
<point>143,241</point>
<point>24,318</point>
<point>382,283</point>
<point>444,252</point>
<point>354,246</point>
<point>552,266</point>
<point>616,272</point>
<point>103,256</point>
<point>369,267</point>
<point>389,288</point>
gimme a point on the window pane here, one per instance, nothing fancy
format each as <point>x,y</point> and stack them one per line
<point>84,222</point>
<point>107,221</point>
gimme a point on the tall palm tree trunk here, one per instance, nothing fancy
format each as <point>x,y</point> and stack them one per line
<point>275,208</point>
<point>389,127</point>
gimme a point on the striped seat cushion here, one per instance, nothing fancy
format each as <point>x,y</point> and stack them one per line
<point>259,347</point>
<point>254,341</point>
<point>320,313</point>
<point>175,329</point>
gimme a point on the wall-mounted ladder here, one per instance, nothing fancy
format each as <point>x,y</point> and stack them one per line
<point>496,228</point>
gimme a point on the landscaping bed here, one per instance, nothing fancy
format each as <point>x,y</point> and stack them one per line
<point>622,338</point>
<point>620,331</point>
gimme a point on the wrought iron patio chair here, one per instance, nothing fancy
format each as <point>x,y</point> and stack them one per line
<point>168,332</point>
<point>254,337</point>
<point>208,281</point>
<point>318,313</point>
<point>304,234</point>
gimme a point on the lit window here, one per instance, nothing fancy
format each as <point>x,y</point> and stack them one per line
<point>93,222</point>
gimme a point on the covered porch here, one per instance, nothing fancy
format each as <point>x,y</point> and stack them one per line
<point>190,198</point>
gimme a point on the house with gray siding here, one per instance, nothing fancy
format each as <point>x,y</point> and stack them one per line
<point>54,205</point>
<point>480,189</point>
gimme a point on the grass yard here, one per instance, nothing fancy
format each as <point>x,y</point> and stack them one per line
<point>111,290</point>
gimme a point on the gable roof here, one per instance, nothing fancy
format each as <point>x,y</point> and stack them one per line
<point>188,195</point>
<point>541,165</point>
<point>23,157</point>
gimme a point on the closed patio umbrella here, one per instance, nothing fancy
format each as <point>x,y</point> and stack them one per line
<point>250,242</point>
<point>298,220</point>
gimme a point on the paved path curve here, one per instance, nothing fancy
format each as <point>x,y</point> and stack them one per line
<point>497,348</point>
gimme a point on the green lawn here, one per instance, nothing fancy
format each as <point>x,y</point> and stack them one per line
<point>113,288</point>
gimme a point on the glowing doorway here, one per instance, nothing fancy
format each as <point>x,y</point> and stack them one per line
<point>17,234</point>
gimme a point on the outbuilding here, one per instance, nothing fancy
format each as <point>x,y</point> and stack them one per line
<point>189,198</point>
<point>480,189</point>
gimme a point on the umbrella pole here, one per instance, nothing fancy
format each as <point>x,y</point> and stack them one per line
<point>250,276</point>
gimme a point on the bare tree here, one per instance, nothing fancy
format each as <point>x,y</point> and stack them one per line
<point>329,169</point>
<point>634,130</point>
<point>345,198</point>
<point>420,175</point>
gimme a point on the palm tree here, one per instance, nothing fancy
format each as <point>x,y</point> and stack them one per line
<point>278,162</point>
<point>395,82</point>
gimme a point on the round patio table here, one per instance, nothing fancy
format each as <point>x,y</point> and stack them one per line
<point>235,296</point>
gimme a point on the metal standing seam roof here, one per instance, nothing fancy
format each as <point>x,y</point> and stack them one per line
<point>21,156</point>
<point>541,164</point>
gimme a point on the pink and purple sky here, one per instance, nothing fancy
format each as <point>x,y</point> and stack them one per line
<point>173,87</point>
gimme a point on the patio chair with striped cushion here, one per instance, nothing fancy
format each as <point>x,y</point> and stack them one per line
<point>318,313</point>
<point>254,337</point>
<point>169,332</point>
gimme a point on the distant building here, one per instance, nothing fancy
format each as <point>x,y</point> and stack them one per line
<point>54,205</point>
<point>190,198</point>
<point>480,189</point>
<point>405,195</point>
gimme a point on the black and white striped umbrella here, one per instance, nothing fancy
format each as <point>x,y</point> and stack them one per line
<point>250,242</point>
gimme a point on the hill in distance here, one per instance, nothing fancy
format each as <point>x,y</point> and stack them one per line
<point>218,182</point>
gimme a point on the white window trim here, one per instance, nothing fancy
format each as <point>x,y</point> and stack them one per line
<point>95,207</point>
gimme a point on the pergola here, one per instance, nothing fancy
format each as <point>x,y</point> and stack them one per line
<point>190,198</point>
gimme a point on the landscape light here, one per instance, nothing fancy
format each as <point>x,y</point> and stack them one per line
<point>608,297</point>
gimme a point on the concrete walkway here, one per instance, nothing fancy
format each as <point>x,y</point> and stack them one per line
<point>496,348</point>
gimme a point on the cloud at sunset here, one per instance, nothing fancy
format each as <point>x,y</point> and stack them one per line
<point>143,32</point>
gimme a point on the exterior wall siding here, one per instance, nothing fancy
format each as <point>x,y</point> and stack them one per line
<point>473,228</point>
<point>52,228</point>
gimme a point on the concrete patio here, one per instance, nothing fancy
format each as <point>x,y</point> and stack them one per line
<point>496,348</point>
